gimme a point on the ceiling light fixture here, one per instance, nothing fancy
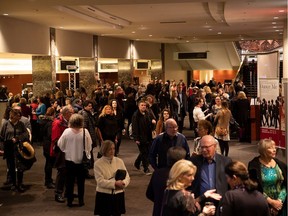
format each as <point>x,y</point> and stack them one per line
<point>108,17</point>
<point>5,14</point>
<point>87,18</point>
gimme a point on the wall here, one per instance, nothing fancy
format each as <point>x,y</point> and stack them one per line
<point>23,37</point>
<point>113,48</point>
<point>14,82</point>
<point>221,56</point>
<point>147,50</point>
<point>219,75</point>
<point>173,70</point>
<point>71,43</point>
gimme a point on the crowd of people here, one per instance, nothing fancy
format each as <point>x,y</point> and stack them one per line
<point>184,182</point>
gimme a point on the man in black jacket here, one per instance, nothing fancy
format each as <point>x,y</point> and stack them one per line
<point>89,124</point>
<point>142,134</point>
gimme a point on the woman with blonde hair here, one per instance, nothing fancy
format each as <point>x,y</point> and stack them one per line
<point>271,176</point>
<point>177,200</point>
<point>222,133</point>
<point>241,113</point>
<point>107,126</point>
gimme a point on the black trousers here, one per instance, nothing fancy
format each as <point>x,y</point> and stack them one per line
<point>60,180</point>
<point>15,176</point>
<point>49,162</point>
<point>143,155</point>
<point>75,171</point>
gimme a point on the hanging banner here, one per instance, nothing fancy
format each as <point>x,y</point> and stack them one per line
<point>282,118</point>
<point>270,111</point>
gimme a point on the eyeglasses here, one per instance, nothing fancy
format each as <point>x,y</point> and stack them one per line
<point>172,127</point>
<point>206,147</point>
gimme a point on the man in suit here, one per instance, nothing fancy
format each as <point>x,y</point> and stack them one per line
<point>161,144</point>
<point>210,170</point>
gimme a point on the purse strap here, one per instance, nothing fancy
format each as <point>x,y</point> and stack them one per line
<point>84,139</point>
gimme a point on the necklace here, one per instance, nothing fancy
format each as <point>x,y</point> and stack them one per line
<point>269,164</point>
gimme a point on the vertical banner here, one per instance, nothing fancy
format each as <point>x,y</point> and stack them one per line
<point>282,118</point>
<point>271,111</point>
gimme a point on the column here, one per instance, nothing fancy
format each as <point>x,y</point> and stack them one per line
<point>44,69</point>
<point>285,82</point>
<point>125,66</point>
<point>87,74</point>
<point>42,75</point>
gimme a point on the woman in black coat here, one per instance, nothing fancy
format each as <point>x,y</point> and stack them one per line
<point>107,127</point>
<point>241,113</point>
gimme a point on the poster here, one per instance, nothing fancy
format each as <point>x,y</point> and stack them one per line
<point>271,111</point>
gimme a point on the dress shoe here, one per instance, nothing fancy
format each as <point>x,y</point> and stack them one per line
<point>137,166</point>
<point>50,186</point>
<point>59,198</point>
<point>81,204</point>
<point>69,204</point>
<point>21,188</point>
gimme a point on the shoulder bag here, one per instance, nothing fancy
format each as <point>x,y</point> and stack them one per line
<point>85,160</point>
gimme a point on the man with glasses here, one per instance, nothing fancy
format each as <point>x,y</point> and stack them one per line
<point>171,137</point>
<point>210,170</point>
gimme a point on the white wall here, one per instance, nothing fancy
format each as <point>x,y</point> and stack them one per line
<point>147,50</point>
<point>173,70</point>
<point>23,37</point>
<point>71,43</point>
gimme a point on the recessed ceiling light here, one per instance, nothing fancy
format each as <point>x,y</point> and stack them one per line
<point>5,14</point>
<point>277,30</point>
<point>219,33</point>
<point>61,27</point>
<point>275,18</point>
<point>273,23</point>
<point>210,29</point>
<point>150,35</point>
<point>280,33</point>
<point>187,41</point>
<point>281,11</point>
<point>133,32</point>
<point>274,26</point>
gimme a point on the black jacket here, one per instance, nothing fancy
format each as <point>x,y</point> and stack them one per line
<point>142,127</point>
<point>254,168</point>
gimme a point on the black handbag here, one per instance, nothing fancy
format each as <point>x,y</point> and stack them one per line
<point>120,174</point>
<point>85,160</point>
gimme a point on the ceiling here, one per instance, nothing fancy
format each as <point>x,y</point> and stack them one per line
<point>164,21</point>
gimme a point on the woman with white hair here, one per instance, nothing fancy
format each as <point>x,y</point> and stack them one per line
<point>271,176</point>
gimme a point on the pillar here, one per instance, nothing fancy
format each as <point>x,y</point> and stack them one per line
<point>44,69</point>
<point>87,72</point>
<point>285,82</point>
<point>43,75</point>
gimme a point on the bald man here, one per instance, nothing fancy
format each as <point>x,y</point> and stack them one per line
<point>171,137</point>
